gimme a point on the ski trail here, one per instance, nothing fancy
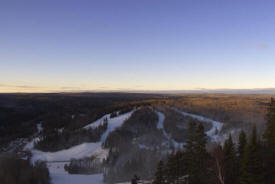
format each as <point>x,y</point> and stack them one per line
<point>213,133</point>
<point>160,126</point>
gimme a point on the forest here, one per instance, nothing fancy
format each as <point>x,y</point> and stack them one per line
<point>248,161</point>
<point>14,170</point>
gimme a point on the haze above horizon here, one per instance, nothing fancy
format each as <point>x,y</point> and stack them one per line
<point>121,45</point>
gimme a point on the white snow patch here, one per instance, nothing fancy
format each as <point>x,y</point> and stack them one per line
<point>30,145</point>
<point>39,127</point>
<point>79,151</point>
<point>161,118</point>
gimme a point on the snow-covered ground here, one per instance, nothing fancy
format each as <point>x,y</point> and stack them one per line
<point>84,149</point>
<point>79,151</point>
<point>213,133</point>
<point>57,160</point>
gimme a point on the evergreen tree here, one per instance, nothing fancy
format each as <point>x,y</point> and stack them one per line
<point>159,176</point>
<point>230,162</point>
<point>241,152</point>
<point>190,151</point>
<point>269,138</point>
<point>174,167</point>
<point>202,156</point>
<point>251,165</point>
<point>196,155</point>
<point>242,144</point>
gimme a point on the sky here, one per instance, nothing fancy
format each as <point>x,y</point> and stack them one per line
<point>122,45</point>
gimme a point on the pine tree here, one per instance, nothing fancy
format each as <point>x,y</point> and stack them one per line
<point>175,167</point>
<point>196,155</point>
<point>202,155</point>
<point>269,138</point>
<point>190,151</point>
<point>241,145</point>
<point>159,176</point>
<point>230,162</point>
<point>251,165</point>
<point>241,152</point>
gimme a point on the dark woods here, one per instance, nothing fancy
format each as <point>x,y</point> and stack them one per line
<point>14,170</point>
<point>249,161</point>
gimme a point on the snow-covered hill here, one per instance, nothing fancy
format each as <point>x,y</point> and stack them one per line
<point>84,149</point>
<point>57,160</point>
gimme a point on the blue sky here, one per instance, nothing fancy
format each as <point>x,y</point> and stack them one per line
<point>136,45</point>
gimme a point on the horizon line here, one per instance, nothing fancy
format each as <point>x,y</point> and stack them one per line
<point>179,91</point>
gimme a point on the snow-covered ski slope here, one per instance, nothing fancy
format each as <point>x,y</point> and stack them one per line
<point>113,123</point>
<point>57,160</point>
<point>84,149</point>
<point>79,151</point>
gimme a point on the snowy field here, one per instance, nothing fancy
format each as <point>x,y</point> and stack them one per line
<point>77,152</point>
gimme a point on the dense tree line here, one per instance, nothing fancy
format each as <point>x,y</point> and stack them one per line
<point>250,161</point>
<point>89,165</point>
<point>14,170</point>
